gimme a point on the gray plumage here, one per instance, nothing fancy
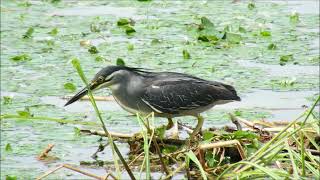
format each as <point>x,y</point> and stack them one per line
<point>167,94</point>
<point>175,93</point>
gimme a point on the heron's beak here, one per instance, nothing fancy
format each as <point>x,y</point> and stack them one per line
<point>82,93</point>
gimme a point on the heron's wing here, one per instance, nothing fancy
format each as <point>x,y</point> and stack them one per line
<point>175,95</point>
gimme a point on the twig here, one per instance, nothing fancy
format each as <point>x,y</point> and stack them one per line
<point>312,151</point>
<point>129,136</point>
<point>102,133</point>
<point>279,165</point>
<point>185,127</point>
<point>71,168</point>
<point>137,157</point>
<point>224,144</point>
<point>45,152</point>
<point>111,175</point>
<point>247,123</point>
<point>100,149</point>
<point>175,131</point>
<point>236,122</point>
<point>264,123</point>
<point>164,167</point>
<point>154,140</point>
<point>49,172</point>
<point>175,171</point>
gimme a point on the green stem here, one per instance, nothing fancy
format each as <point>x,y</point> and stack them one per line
<point>76,64</point>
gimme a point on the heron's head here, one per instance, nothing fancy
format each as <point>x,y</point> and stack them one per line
<point>110,76</point>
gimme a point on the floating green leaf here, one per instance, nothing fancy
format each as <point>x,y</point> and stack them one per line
<point>7,100</point>
<point>77,132</point>
<point>265,33</point>
<point>25,4</point>
<point>129,30</point>
<point>55,1</point>
<point>10,177</point>
<point>99,58</point>
<point>208,33</point>
<point>93,50</point>
<point>186,54</point>
<point>233,37</point>
<point>21,57</point>
<point>244,135</point>
<point>8,147</point>
<point>294,17</point>
<point>155,41</point>
<point>123,22</point>
<point>25,113</point>
<point>54,32</point>
<point>94,27</point>
<point>285,58</point>
<point>288,82</point>
<point>120,62</point>
<point>207,135</point>
<point>251,5</point>
<point>206,23</point>
<point>70,87</point>
<point>238,113</point>
<point>272,46</point>
<point>130,47</point>
<point>28,33</point>
<point>242,29</point>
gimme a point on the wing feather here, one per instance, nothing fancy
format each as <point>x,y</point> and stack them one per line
<point>178,94</point>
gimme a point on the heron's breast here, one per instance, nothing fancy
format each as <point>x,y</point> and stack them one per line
<point>132,104</point>
<point>125,106</point>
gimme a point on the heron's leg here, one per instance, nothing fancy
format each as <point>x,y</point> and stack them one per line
<point>170,123</point>
<point>198,127</point>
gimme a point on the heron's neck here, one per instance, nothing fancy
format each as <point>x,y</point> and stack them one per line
<point>129,89</point>
<point>129,84</point>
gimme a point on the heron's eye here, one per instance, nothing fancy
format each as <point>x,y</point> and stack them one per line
<point>100,79</point>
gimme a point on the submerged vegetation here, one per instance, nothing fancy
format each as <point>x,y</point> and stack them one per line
<point>41,40</point>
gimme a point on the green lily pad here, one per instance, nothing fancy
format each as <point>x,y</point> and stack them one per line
<point>28,33</point>
<point>21,57</point>
<point>93,50</point>
<point>70,87</point>
<point>120,62</point>
<point>186,54</point>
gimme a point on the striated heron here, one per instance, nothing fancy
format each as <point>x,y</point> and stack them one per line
<point>167,94</point>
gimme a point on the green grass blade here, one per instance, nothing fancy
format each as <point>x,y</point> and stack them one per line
<point>312,169</point>
<point>115,159</point>
<point>267,171</point>
<point>76,65</point>
<point>146,146</point>
<point>257,174</point>
<point>311,109</point>
<point>293,163</point>
<point>311,140</point>
<point>193,157</point>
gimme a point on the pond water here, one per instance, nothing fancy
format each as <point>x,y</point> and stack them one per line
<point>39,39</point>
